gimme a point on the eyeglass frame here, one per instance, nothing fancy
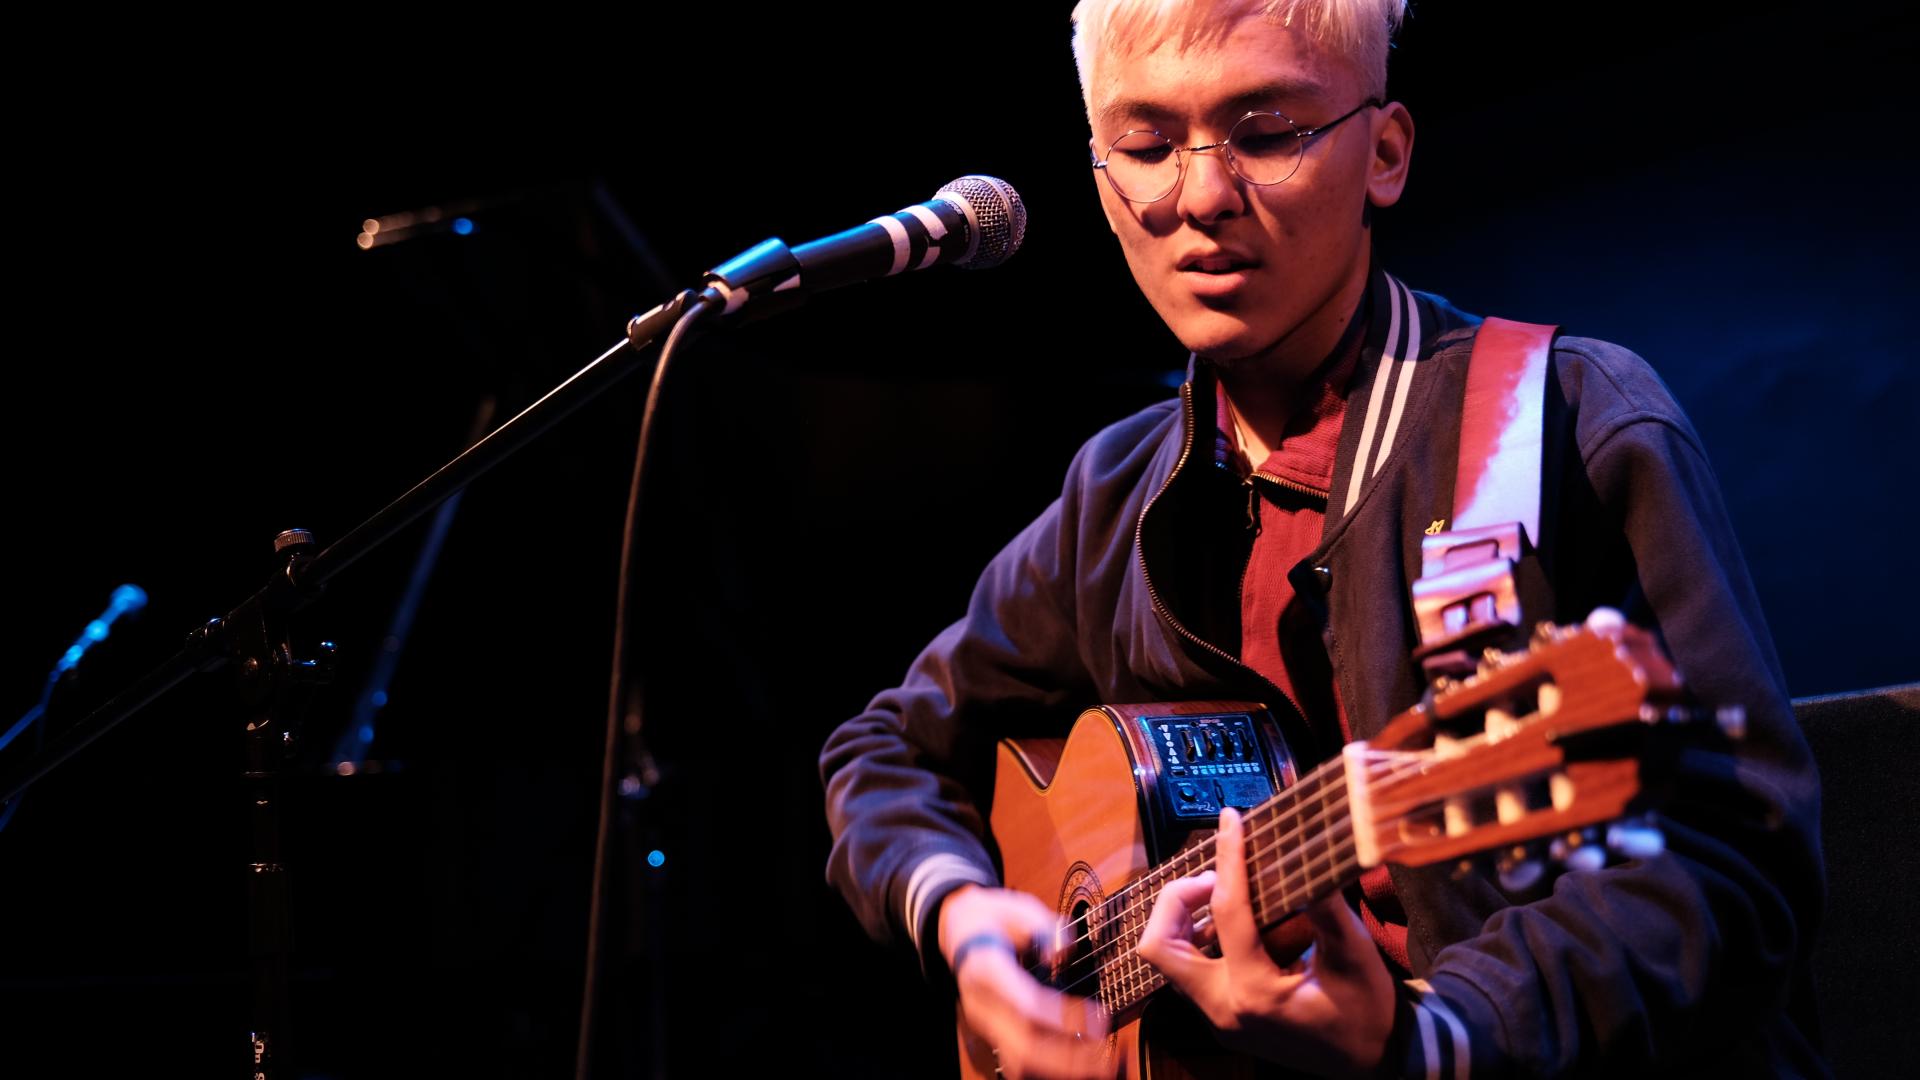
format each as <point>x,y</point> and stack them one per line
<point>1180,162</point>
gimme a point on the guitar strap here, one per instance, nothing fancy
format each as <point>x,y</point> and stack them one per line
<point>1467,596</point>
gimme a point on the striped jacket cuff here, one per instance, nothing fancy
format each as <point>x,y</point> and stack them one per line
<point>931,881</point>
<point>1430,1041</point>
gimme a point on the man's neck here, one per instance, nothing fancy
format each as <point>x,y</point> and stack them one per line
<point>1264,395</point>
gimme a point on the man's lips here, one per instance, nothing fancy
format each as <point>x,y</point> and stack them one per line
<point>1222,262</point>
<point>1215,275</point>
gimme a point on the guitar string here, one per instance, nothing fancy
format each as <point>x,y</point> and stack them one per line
<point>1278,874</point>
<point>1285,884</point>
<point>1143,979</point>
<point>1131,986</point>
<point>1319,776</point>
<point>1294,899</point>
<point>1207,855</point>
<point>1145,972</point>
<point>1146,978</point>
<point>1295,830</point>
<point>1299,859</point>
<point>1143,889</point>
<point>1392,770</point>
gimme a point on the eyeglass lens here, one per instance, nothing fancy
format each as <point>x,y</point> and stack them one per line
<point>1263,148</point>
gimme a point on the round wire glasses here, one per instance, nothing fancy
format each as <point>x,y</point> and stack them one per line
<point>1262,148</point>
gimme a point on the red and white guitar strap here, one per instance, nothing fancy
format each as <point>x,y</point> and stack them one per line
<point>1466,596</point>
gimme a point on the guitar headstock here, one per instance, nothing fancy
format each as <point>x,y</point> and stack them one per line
<point>1537,748</point>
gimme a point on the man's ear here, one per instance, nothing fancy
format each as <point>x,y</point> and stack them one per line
<point>1392,155</point>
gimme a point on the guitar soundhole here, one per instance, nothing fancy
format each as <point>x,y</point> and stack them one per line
<point>1077,970</point>
<point>1079,896</point>
<point>1078,959</point>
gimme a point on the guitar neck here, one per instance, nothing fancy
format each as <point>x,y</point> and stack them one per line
<point>1299,849</point>
<point>1499,759</point>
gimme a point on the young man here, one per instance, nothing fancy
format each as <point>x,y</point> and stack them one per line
<point>1255,540</point>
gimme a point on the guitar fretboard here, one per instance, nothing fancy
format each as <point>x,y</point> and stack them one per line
<point>1299,849</point>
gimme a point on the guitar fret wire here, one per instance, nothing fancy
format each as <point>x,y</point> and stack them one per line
<point>1138,893</point>
<point>1205,849</point>
<point>1293,859</point>
<point>1289,882</point>
<point>1299,862</point>
<point>1317,779</point>
<point>1338,865</point>
<point>1339,861</point>
<point>1296,901</point>
<point>1312,792</point>
<point>1279,875</point>
<point>1132,967</point>
<point>1397,764</point>
<point>1384,765</point>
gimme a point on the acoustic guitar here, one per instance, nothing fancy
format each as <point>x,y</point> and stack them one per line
<point>1521,763</point>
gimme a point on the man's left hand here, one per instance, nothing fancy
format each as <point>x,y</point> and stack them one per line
<point>1331,1013</point>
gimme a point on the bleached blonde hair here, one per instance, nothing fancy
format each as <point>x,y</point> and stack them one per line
<point>1361,30</point>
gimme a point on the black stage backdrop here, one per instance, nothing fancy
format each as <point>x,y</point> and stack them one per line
<point>200,356</point>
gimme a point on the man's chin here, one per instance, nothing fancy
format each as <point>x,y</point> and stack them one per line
<point>1226,350</point>
<point>1245,352</point>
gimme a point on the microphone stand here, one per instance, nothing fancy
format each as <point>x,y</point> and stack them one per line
<point>273,683</point>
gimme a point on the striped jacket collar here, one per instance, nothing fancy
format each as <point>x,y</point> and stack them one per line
<point>1402,330</point>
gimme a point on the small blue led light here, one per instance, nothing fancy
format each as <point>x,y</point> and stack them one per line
<point>463,226</point>
<point>96,631</point>
<point>656,858</point>
<point>379,699</point>
<point>366,733</point>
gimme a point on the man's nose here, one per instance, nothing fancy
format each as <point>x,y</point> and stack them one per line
<point>1209,191</point>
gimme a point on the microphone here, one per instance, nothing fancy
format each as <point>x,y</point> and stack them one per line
<point>975,221</point>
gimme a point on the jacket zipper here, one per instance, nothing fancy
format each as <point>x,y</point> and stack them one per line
<point>1253,497</point>
<point>1292,485</point>
<point>1153,594</point>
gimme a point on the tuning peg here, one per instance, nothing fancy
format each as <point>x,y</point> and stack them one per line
<point>1579,850</point>
<point>1547,699</point>
<point>1605,620</point>
<point>1520,869</point>
<point>1636,840</point>
<point>1587,857</point>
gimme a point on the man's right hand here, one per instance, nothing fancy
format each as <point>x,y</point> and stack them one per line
<point>1035,1031</point>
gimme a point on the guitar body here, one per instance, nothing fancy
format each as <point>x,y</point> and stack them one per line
<point>1079,818</point>
<point>1525,758</point>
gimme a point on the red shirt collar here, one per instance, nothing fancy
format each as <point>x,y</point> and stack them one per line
<point>1306,452</point>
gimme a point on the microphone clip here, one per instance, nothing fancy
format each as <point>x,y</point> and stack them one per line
<point>765,277</point>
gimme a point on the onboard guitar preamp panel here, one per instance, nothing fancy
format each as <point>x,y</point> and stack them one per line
<point>1207,762</point>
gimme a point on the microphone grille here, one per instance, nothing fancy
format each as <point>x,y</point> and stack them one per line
<point>998,214</point>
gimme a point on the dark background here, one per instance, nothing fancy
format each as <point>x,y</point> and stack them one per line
<point>201,357</point>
